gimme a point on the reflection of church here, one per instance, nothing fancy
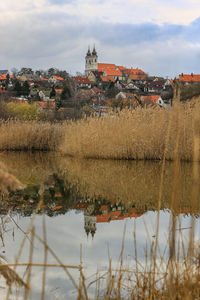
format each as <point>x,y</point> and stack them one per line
<point>90,223</point>
<point>95,212</point>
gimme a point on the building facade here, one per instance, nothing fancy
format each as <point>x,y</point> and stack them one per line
<point>91,61</point>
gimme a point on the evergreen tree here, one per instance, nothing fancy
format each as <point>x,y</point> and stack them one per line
<point>18,88</point>
<point>7,80</point>
<point>26,88</point>
<point>112,91</point>
<point>53,92</point>
<point>65,97</point>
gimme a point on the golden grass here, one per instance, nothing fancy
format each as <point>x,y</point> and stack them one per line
<point>17,135</point>
<point>134,134</point>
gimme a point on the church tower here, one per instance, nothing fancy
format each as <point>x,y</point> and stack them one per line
<point>91,61</point>
<point>89,224</point>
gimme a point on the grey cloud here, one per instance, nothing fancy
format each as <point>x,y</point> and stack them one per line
<point>58,39</point>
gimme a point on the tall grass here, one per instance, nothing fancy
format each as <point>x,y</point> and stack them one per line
<point>136,134</point>
<point>17,135</point>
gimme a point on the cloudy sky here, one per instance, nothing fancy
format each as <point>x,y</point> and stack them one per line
<point>160,36</point>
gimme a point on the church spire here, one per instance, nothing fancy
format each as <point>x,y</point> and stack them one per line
<point>88,53</point>
<point>94,51</point>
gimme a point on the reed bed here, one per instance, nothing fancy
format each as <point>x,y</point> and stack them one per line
<point>18,135</point>
<point>135,134</point>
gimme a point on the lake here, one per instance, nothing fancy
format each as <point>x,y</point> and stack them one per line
<point>95,208</point>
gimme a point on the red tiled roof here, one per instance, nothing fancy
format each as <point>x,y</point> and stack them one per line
<point>189,78</point>
<point>102,218</point>
<point>3,76</point>
<point>107,79</point>
<point>121,68</point>
<point>80,80</point>
<point>137,76</point>
<point>42,78</point>
<point>134,71</point>
<point>151,98</point>
<point>58,77</point>
<point>59,91</point>
<point>102,67</point>
<point>113,72</point>
<point>96,90</point>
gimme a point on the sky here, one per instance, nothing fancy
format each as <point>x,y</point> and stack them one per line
<point>159,36</point>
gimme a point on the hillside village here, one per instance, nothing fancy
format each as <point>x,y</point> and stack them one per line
<point>102,87</point>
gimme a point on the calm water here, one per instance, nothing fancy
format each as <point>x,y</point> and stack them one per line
<point>90,203</point>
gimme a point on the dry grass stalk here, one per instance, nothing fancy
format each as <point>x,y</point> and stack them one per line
<point>136,134</point>
<point>12,277</point>
<point>16,135</point>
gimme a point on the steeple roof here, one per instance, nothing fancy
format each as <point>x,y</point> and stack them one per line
<point>94,51</point>
<point>88,53</point>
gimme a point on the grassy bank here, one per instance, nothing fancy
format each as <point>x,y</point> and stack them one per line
<point>17,135</point>
<point>137,134</point>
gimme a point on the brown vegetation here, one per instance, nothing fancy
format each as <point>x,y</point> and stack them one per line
<point>17,135</point>
<point>135,134</point>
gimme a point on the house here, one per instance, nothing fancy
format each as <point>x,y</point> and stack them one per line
<point>4,72</point>
<point>105,81</point>
<point>155,86</point>
<point>44,95</point>
<point>26,77</point>
<point>95,76</point>
<point>153,100</point>
<point>113,73</point>
<point>55,79</point>
<point>82,82</point>
<point>3,78</point>
<point>133,86</point>
<point>136,75</point>
<point>192,78</point>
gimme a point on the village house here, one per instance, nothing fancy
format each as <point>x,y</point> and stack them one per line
<point>95,76</point>
<point>192,78</point>
<point>82,82</point>
<point>154,100</point>
<point>55,79</point>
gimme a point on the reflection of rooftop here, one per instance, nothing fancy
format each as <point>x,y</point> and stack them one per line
<point>118,215</point>
<point>82,206</point>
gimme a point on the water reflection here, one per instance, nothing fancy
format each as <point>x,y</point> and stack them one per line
<point>104,191</point>
<point>109,190</point>
<point>89,202</point>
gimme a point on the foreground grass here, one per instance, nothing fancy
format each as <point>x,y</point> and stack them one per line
<point>17,135</point>
<point>137,134</point>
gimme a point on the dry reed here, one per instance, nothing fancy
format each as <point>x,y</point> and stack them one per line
<point>17,135</point>
<point>134,134</point>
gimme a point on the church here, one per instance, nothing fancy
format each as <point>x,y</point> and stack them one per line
<point>110,71</point>
<point>91,61</point>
